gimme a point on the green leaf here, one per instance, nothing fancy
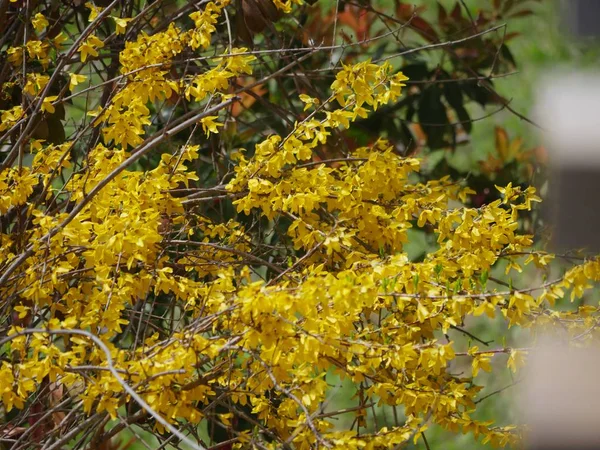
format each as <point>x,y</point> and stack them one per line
<point>507,55</point>
<point>484,278</point>
<point>464,118</point>
<point>416,72</point>
<point>477,91</point>
<point>433,118</point>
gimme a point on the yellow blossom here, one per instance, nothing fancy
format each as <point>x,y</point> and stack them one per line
<point>47,105</point>
<point>75,79</point>
<point>209,125</point>
<point>121,24</point>
<point>39,22</point>
<point>90,47</point>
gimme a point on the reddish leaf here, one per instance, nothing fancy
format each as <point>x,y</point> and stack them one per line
<point>246,99</point>
<point>358,19</point>
<point>320,28</point>
<point>541,155</point>
<point>424,29</point>
<point>35,414</point>
<point>482,20</point>
<point>456,13</point>
<point>442,14</point>
<point>501,143</point>
<point>346,38</point>
<point>55,397</point>
<point>405,11</point>
<point>511,35</point>
<point>253,17</point>
<point>418,134</point>
<point>467,53</point>
<point>522,13</point>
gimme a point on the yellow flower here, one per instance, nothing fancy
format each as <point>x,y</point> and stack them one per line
<point>59,40</point>
<point>39,22</point>
<point>90,46</point>
<point>47,105</point>
<point>75,79</point>
<point>209,125</point>
<point>9,117</point>
<point>121,24</point>
<point>37,49</point>
<point>15,55</point>
<point>308,100</point>
<point>94,11</point>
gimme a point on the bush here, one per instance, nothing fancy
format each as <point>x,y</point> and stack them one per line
<point>205,214</point>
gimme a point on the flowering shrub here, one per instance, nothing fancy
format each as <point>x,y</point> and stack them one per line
<point>154,273</point>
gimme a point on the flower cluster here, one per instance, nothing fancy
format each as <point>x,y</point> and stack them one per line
<point>199,312</point>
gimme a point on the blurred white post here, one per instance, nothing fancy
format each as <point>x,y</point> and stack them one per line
<point>568,109</point>
<point>561,397</point>
<point>581,17</point>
